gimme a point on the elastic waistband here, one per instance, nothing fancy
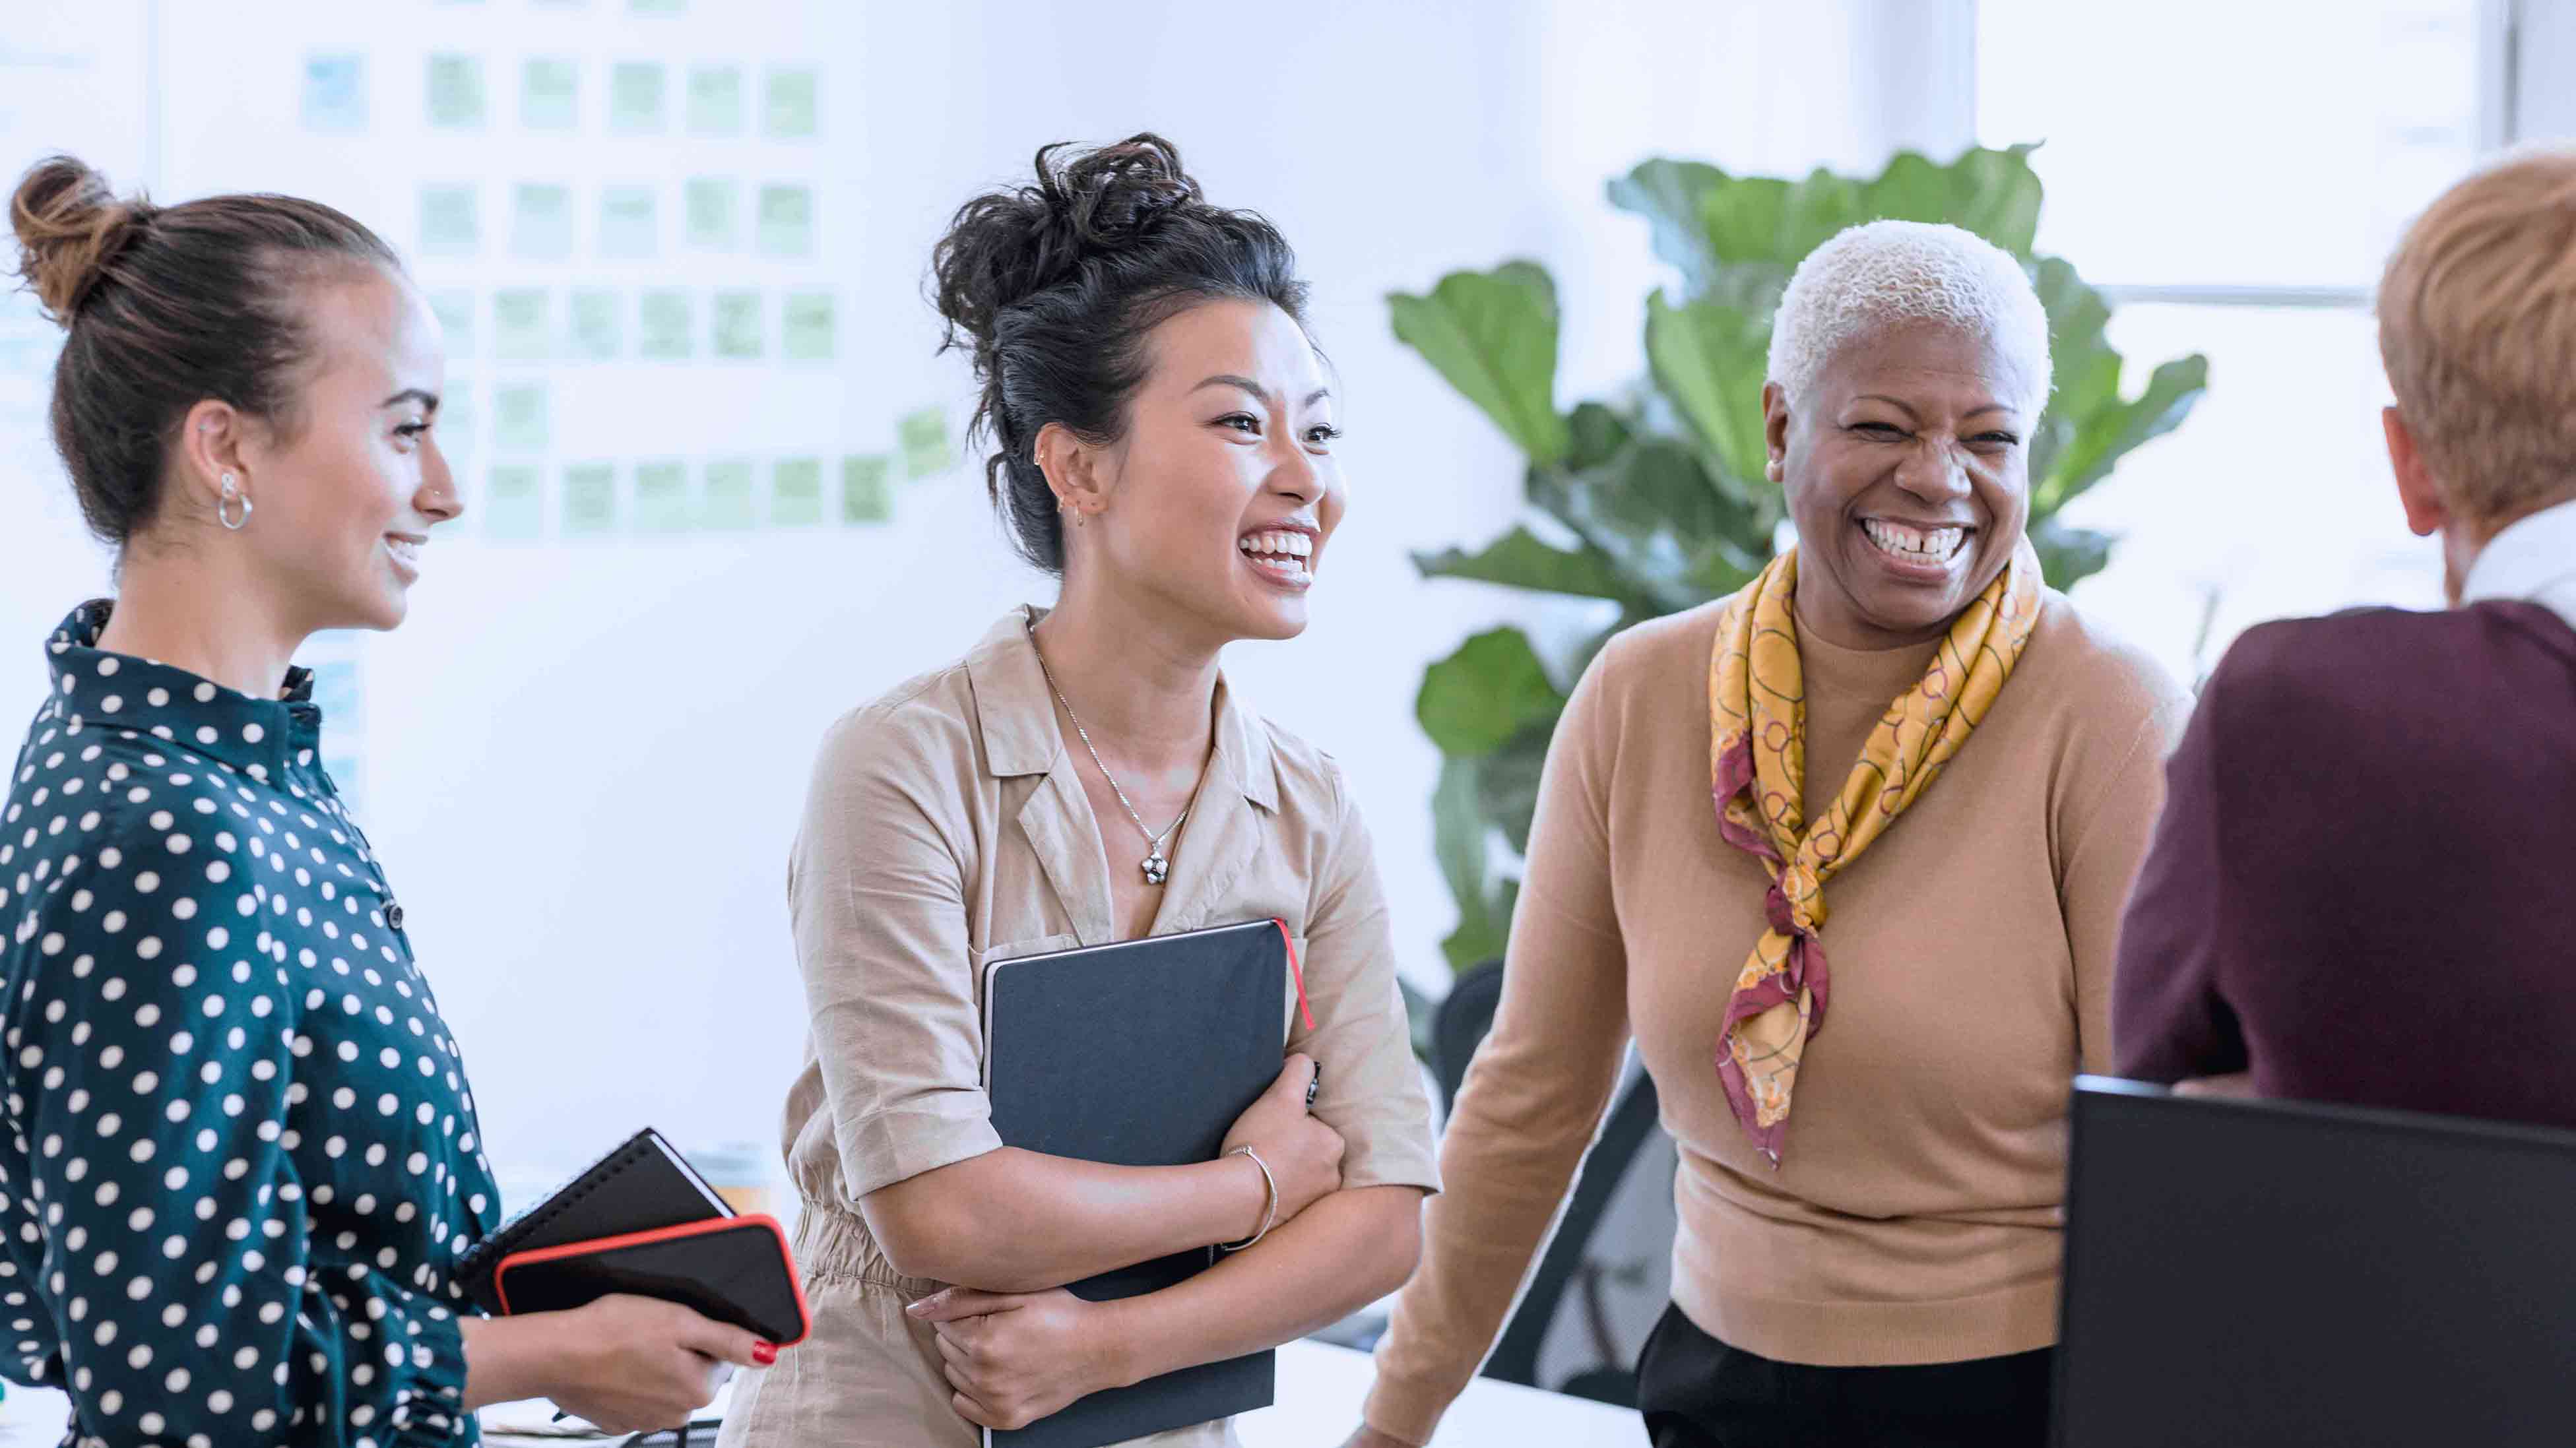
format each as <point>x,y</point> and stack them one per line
<point>831,1244</point>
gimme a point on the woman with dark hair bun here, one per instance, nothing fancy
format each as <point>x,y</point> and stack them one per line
<point>241,1157</point>
<point>1162,432</point>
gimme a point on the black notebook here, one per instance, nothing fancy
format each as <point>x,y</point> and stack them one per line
<point>1139,1054</point>
<point>642,1186</point>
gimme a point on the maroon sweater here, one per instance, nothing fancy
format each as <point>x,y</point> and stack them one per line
<point>2363,888</point>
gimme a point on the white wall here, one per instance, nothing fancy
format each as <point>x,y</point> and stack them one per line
<point>584,763</point>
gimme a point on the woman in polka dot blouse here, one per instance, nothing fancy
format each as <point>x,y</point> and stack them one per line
<point>240,1156</point>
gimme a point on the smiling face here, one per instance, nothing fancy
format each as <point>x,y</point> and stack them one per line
<point>1908,478</point>
<point>1218,501</point>
<point>345,500</point>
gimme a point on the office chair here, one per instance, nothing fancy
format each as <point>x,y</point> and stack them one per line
<point>1459,1024</point>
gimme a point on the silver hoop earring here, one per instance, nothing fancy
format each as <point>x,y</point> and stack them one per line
<point>223,505</point>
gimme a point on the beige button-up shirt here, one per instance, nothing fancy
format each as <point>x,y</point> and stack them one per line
<point>946,829</point>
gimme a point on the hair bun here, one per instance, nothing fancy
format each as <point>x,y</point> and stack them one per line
<point>71,226</point>
<point>1006,246</point>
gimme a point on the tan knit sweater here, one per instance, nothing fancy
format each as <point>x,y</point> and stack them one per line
<point>1914,1218</point>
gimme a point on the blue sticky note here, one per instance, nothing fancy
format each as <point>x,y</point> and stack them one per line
<point>550,94</point>
<point>541,224</point>
<point>451,222</point>
<point>335,94</point>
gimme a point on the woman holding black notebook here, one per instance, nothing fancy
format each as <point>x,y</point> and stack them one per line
<point>1163,433</point>
<point>241,1155</point>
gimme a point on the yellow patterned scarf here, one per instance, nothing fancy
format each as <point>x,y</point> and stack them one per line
<point>1757,703</point>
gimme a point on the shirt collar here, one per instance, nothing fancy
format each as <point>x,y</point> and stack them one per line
<point>2535,559</point>
<point>1015,709</point>
<point>93,687</point>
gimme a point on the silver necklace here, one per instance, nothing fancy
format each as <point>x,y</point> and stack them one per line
<point>1156,865</point>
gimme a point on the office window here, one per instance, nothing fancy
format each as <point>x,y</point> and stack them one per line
<point>2234,176</point>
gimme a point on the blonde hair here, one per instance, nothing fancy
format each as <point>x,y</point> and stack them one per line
<point>1887,273</point>
<point>2477,325</point>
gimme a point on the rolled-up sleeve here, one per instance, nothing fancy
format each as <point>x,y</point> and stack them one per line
<point>876,896</point>
<point>1372,1089</point>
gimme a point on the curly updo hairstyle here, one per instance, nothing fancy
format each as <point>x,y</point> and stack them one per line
<point>165,308</point>
<point>1055,285</point>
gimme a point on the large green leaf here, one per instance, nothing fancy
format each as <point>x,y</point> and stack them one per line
<point>1815,210</point>
<point>1484,928</point>
<point>1493,335</point>
<point>1746,218</point>
<point>1672,196</point>
<point>1992,193</point>
<point>1461,835</point>
<point>1654,511</point>
<point>1494,686</point>
<point>2108,432</point>
<point>1507,782</point>
<point>1711,361</point>
<point>2069,555</point>
<point>1519,560</point>
<point>1596,435</point>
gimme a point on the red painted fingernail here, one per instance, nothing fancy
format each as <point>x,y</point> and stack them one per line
<point>764,1353</point>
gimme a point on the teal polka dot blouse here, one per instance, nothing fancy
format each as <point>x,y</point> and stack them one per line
<point>240,1157</point>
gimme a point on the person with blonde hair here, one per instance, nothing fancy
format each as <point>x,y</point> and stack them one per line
<point>1896,719</point>
<point>2360,890</point>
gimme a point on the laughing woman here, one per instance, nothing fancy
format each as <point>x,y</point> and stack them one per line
<point>1895,719</point>
<point>1164,441</point>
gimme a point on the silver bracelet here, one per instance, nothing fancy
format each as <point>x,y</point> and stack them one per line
<point>1269,1219</point>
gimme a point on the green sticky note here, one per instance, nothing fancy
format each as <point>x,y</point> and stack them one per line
<point>598,325</point>
<point>454,308</point>
<point>669,330</point>
<point>662,497</point>
<point>635,98</point>
<point>866,493</point>
<point>729,496</point>
<point>519,417</point>
<point>792,106</point>
<point>796,493</point>
<point>715,100</point>
<point>451,222</point>
<point>924,435</point>
<point>805,331</point>
<point>335,94</point>
<point>522,330</point>
<point>786,226</point>
<point>541,221</point>
<point>629,223</point>
<point>590,498</point>
<point>714,205</point>
<point>737,324</point>
<point>455,93</point>
<point>514,503</point>
<point>550,95</point>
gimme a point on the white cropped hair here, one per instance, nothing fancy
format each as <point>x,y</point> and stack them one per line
<point>1891,272</point>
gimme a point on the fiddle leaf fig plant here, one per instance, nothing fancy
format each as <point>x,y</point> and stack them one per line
<point>1654,500</point>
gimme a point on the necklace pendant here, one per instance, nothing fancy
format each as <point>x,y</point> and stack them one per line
<point>1157,869</point>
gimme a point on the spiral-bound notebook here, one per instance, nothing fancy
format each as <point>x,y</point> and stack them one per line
<point>642,1186</point>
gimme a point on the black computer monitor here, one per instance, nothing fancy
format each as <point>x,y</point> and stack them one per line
<point>2247,1272</point>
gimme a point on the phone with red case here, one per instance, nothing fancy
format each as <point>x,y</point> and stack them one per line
<point>732,1269</point>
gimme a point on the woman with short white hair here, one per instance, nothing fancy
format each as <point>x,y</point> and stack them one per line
<point>1897,718</point>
